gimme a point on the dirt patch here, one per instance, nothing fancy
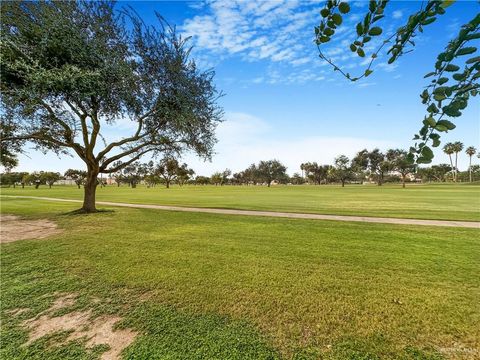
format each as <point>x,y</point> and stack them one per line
<point>98,331</point>
<point>12,228</point>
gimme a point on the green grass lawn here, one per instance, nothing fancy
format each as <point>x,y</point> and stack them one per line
<point>444,202</point>
<point>205,286</point>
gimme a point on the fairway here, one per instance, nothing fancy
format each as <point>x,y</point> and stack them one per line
<point>219,180</point>
<point>440,202</point>
<point>205,286</point>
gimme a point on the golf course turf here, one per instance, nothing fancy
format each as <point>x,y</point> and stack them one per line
<point>209,286</point>
<point>437,201</point>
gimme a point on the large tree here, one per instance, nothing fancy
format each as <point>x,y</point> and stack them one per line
<point>342,170</point>
<point>374,161</point>
<point>470,151</point>
<point>78,176</point>
<point>399,162</point>
<point>456,72</point>
<point>435,172</point>
<point>168,169</point>
<point>457,147</point>
<point>71,69</point>
<point>449,149</point>
<point>314,172</point>
<point>270,170</point>
<point>50,178</point>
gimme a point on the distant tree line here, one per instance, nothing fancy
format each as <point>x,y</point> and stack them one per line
<point>366,166</point>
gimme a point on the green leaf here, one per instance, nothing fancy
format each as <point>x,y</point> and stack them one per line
<point>451,111</point>
<point>451,68</point>
<point>359,29</point>
<point>435,143</point>
<point>448,124</point>
<point>410,158</point>
<point>375,31</point>
<point>442,80</point>
<point>423,160</point>
<point>337,19</point>
<point>427,153</point>
<point>368,72</point>
<point>428,21</point>
<point>440,90</point>
<point>466,50</point>
<point>431,121</point>
<point>353,48</point>
<point>324,39</point>
<point>360,52</point>
<point>430,74</point>
<point>432,108</point>
<point>473,60</point>
<point>344,7</point>
<point>472,36</point>
<point>372,6</point>
<point>329,31</point>
<point>324,12</point>
<point>423,131</point>
<point>441,128</point>
<point>459,76</point>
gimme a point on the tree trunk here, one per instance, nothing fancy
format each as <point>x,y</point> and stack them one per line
<point>403,181</point>
<point>23,185</point>
<point>456,162</point>
<point>451,165</point>
<point>49,186</point>
<point>343,183</point>
<point>470,169</point>
<point>167,183</point>
<point>36,186</point>
<point>90,190</point>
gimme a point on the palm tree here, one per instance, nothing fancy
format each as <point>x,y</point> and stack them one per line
<point>302,167</point>
<point>470,152</point>
<point>457,147</point>
<point>448,149</point>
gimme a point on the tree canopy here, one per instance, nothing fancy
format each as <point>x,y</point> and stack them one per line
<point>455,77</point>
<point>71,69</point>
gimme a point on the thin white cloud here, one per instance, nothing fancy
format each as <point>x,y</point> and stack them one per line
<point>244,139</point>
<point>366,84</point>
<point>397,14</point>
<point>274,31</point>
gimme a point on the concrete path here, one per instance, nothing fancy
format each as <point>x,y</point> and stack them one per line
<point>382,220</point>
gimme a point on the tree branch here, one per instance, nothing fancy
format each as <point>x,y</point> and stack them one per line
<point>135,137</point>
<point>122,165</point>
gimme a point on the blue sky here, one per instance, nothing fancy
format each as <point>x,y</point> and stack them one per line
<point>283,102</point>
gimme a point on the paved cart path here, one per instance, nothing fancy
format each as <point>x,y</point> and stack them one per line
<point>382,220</point>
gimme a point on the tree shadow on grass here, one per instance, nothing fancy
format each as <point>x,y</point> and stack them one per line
<point>83,212</point>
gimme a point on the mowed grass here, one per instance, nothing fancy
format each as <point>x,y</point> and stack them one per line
<point>205,286</point>
<point>438,201</point>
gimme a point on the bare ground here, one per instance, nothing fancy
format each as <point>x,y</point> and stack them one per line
<point>95,331</point>
<point>13,228</point>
